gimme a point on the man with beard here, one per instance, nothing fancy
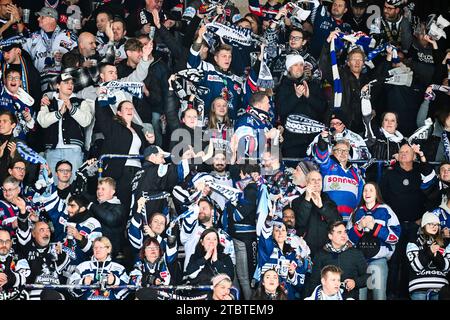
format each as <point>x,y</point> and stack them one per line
<point>194,225</point>
<point>46,261</point>
<point>220,176</point>
<point>357,16</point>
<point>393,27</point>
<point>76,228</point>
<point>10,278</point>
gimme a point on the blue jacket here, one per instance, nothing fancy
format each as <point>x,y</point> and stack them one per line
<point>270,256</point>
<point>343,185</point>
<point>387,229</point>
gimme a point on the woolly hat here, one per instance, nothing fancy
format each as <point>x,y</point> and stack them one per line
<point>292,59</point>
<point>396,3</point>
<point>219,278</point>
<point>429,217</point>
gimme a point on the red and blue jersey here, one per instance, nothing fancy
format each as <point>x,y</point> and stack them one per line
<point>343,185</point>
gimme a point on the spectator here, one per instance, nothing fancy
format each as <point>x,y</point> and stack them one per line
<point>91,273</point>
<point>151,268</point>
<point>297,97</point>
<point>221,288</point>
<point>11,24</point>
<point>330,287</point>
<point>342,181</point>
<point>9,205</point>
<point>8,146</point>
<point>403,190</point>
<point>443,212</point>
<point>274,251</point>
<point>11,278</point>
<point>226,84</point>
<point>429,260</point>
<point>18,102</point>
<point>374,229</point>
<point>63,119</point>
<point>270,287</point>
<point>339,131</point>
<point>120,31</point>
<point>357,16</point>
<point>46,262</point>
<point>338,252</point>
<point>392,26</point>
<point>47,51</point>
<point>325,22</point>
<point>208,260</point>
<point>108,210</point>
<point>314,210</point>
<point>122,136</point>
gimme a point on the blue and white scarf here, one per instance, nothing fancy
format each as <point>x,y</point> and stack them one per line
<point>231,34</point>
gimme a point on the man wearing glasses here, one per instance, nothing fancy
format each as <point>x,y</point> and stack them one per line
<point>392,26</point>
<point>8,206</point>
<point>339,131</point>
<point>342,181</point>
<point>10,278</point>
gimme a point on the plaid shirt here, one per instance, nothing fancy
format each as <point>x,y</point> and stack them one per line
<point>86,76</point>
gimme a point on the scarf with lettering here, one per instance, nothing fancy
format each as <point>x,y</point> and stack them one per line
<point>446,143</point>
<point>231,34</point>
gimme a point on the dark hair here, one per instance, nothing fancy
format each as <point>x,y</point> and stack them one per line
<point>107,12</point>
<point>379,197</point>
<point>12,69</point>
<point>119,19</point>
<point>184,112</point>
<point>119,108</point>
<point>12,117</point>
<point>335,224</point>
<point>260,293</point>
<point>330,268</point>
<point>69,60</point>
<point>61,162</point>
<point>243,20</point>
<point>103,65</point>
<point>248,168</point>
<point>80,200</point>
<point>306,35</point>
<point>148,241</point>
<point>14,162</point>
<point>199,249</point>
<point>256,18</point>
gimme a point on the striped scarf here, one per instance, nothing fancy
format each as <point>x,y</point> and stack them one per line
<point>231,34</point>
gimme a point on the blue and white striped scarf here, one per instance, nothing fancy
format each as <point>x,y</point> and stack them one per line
<point>32,156</point>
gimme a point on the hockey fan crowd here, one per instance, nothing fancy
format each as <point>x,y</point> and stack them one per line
<point>170,149</point>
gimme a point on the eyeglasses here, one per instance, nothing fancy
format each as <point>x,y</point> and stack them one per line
<point>152,248</point>
<point>64,170</point>
<point>4,242</point>
<point>433,224</point>
<point>9,190</point>
<point>335,123</point>
<point>13,78</point>
<point>297,38</point>
<point>342,151</point>
<point>19,168</point>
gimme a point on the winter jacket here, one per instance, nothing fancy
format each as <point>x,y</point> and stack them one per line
<point>427,271</point>
<point>112,217</point>
<point>312,222</point>
<point>350,260</point>
<point>343,185</point>
<point>73,122</point>
<point>404,190</point>
<point>200,271</point>
<point>380,241</point>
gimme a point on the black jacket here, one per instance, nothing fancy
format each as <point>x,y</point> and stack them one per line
<point>207,269</point>
<point>352,263</point>
<point>312,223</point>
<point>403,190</point>
<point>73,132</point>
<point>112,217</point>
<point>118,139</point>
<point>287,104</point>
